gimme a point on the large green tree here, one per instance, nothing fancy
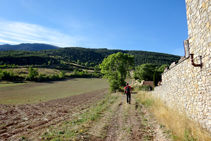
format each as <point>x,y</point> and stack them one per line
<point>149,72</point>
<point>145,71</point>
<point>115,68</point>
<point>157,74</point>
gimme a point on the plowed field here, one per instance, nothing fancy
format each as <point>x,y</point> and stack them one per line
<point>29,119</point>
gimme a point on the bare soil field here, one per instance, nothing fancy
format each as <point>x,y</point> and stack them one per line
<point>31,93</point>
<point>29,120</point>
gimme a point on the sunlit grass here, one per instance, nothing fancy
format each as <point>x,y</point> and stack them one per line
<point>178,124</point>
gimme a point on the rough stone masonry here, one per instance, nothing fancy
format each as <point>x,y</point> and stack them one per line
<point>185,86</point>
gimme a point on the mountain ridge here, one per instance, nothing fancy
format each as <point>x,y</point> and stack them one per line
<point>28,47</point>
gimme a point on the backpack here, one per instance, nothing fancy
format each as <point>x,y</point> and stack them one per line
<point>127,90</point>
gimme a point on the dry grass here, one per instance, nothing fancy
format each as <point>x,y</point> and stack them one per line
<point>25,71</point>
<point>178,125</point>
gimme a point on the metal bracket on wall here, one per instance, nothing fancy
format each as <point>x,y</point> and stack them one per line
<point>196,65</point>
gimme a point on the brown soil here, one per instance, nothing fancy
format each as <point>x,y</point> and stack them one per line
<point>29,120</point>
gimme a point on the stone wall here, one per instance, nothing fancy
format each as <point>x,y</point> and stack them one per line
<point>184,86</point>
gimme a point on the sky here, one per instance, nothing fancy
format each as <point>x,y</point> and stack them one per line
<point>147,25</point>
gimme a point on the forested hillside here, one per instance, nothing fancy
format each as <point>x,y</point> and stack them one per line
<point>81,56</point>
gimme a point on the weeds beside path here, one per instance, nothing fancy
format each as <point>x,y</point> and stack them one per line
<point>122,122</point>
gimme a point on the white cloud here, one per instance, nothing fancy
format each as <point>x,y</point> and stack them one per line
<point>18,32</point>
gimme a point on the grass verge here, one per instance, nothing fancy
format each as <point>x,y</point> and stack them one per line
<point>178,126</point>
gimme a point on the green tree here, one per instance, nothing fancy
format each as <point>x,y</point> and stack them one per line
<point>115,68</point>
<point>6,75</point>
<point>96,69</point>
<point>61,62</point>
<point>1,75</point>
<point>135,75</point>
<point>49,63</point>
<point>128,74</point>
<point>156,77</point>
<point>42,77</point>
<point>75,72</point>
<point>157,74</point>
<point>32,73</point>
<point>145,71</point>
<point>161,68</point>
<point>62,74</point>
<point>12,75</point>
<point>86,64</point>
<point>78,62</point>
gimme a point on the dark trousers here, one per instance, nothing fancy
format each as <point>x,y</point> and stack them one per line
<point>128,97</point>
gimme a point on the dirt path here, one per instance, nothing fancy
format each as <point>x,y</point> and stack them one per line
<point>127,122</point>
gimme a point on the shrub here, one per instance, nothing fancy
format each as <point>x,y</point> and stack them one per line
<point>114,85</point>
<point>1,75</point>
<point>32,73</point>
<point>62,74</point>
<point>54,77</point>
<point>41,77</point>
<point>7,75</point>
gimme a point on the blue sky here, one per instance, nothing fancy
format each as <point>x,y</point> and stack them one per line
<point>148,25</point>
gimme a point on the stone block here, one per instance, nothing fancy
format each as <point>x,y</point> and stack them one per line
<point>209,9</point>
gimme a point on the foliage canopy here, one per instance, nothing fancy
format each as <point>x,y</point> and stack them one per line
<point>115,68</point>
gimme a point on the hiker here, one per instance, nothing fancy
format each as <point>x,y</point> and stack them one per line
<point>128,91</point>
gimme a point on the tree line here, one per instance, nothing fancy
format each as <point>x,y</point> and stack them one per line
<point>83,56</point>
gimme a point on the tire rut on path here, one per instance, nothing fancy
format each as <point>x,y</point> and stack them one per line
<point>114,128</point>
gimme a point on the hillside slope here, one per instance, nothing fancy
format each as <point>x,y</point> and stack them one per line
<point>73,54</point>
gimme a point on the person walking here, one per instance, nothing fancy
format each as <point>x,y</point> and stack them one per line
<point>128,91</point>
